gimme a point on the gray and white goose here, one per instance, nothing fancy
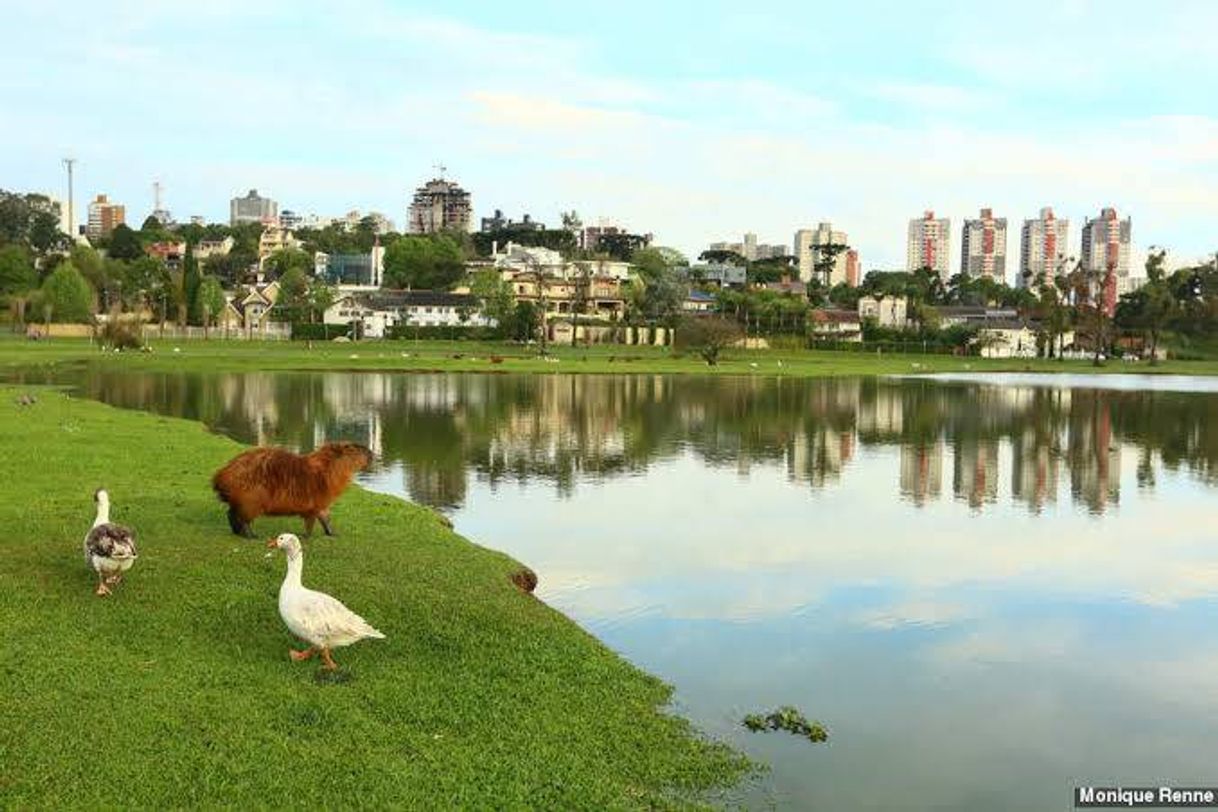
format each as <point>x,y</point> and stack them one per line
<point>109,547</point>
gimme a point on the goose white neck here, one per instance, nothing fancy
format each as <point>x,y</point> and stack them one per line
<point>103,508</point>
<point>295,568</point>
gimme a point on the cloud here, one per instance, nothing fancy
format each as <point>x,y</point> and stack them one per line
<point>933,97</point>
<point>350,107</point>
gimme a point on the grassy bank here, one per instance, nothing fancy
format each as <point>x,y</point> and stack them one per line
<point>178,691</point>
<point>485,357</point>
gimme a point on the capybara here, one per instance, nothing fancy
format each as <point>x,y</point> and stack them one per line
<point>276,482</point>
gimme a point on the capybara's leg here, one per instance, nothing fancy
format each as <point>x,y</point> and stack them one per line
<point>309,519</point>
<point>325,523</point>
<point>235,521</point>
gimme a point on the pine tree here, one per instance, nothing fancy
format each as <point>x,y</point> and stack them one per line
<point>190,283</point>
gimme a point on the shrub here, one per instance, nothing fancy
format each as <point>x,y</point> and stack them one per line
<point>121,335</point>
<point>705,335</point>
<point>303,331</point>
<point>444,333</point>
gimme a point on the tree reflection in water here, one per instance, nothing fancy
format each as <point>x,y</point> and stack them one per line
<point>441,429</point>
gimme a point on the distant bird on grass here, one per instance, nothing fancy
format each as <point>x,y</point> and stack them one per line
<point>315,617</point>
<point>109,548</point>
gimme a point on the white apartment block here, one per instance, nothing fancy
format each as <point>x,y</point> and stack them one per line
<point>1043,246</point>
<point>808,244</point>
<point>1107,242</point>
<point>252,209</point>
<point>983,247</point>
<point>750,249</point>
<point>929,244</point>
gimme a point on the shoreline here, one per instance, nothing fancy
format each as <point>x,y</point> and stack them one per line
<point>482,695</point>
<point>441,357</point>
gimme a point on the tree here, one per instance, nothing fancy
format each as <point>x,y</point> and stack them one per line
<point>17,280</point>
<point>225,267</point>
<point>153,230</point>
<point>770,269</point>
<point>30,220</point>
<point>191,280</point>
<point>113,283</point>
<point>845,296</point>
<point>320,297</point>
<point>724,257</point>
<point>176,290</point>
<point>191,233</point>
<point>579,299</point>
<point>571,221</point>
<point>621,246</point>
<point>1087,287</point>
<point>525,321</point>
<point>289,259</point>
<point>1052,308</point>
<point>125,243</point>
<point>495,295</point>
<point>86,260</point>
<point>67,295</point>
<point>144,277</point>
<point>1159,303</point>
<point>706,335</point>
<point>556,239</point>
<point>293,302</point>
<point>17,274</point>
<point>211,302</point>
<point>826,260</point>
<point>656,292</point>
<point>424,262</point>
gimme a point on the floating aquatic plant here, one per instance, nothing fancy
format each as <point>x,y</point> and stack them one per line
<point>789,719</point>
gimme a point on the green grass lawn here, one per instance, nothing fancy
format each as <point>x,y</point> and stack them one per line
<point>477,357</point>
<point>178,691</point>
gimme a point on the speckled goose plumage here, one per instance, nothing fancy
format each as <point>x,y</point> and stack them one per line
<point>109,547</point>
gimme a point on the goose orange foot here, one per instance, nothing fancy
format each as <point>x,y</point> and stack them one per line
<point>327,661</point>
<point>299,656</point>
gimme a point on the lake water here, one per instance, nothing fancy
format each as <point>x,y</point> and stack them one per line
<point>989,590</point>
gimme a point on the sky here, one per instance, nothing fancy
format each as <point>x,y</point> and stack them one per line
<point>694,122</point>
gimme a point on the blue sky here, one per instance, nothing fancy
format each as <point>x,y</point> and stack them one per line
<point>695,125</point>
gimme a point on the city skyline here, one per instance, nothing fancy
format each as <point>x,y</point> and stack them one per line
<point>687,147</point>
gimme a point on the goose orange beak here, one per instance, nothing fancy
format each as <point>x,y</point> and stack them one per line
<point>271,544</point>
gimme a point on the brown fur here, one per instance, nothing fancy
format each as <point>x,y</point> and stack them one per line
<point>275,482</point>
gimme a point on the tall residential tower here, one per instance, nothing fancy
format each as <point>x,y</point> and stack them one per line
<point>439,205</point>
<point>252,209</point>
<point>1107,241</point>
<point>983,248</point>
<point>929,243</point>
<point>809,247</point>
<point>1043,247</point>
<point>104,216</point>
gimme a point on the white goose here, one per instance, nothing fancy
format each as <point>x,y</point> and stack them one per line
<point>315,617</point>
<point>109,548</point>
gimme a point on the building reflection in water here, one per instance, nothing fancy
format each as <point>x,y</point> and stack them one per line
<point>440,430</point>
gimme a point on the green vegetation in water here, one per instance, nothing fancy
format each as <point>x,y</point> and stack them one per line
<point>787,718</point>
<point>177,691</point>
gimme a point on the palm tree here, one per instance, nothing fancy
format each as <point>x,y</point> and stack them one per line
<point>1158,302</point>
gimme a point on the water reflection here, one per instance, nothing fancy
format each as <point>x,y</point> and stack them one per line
<point>442,430</point>
<point>989,593</point>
